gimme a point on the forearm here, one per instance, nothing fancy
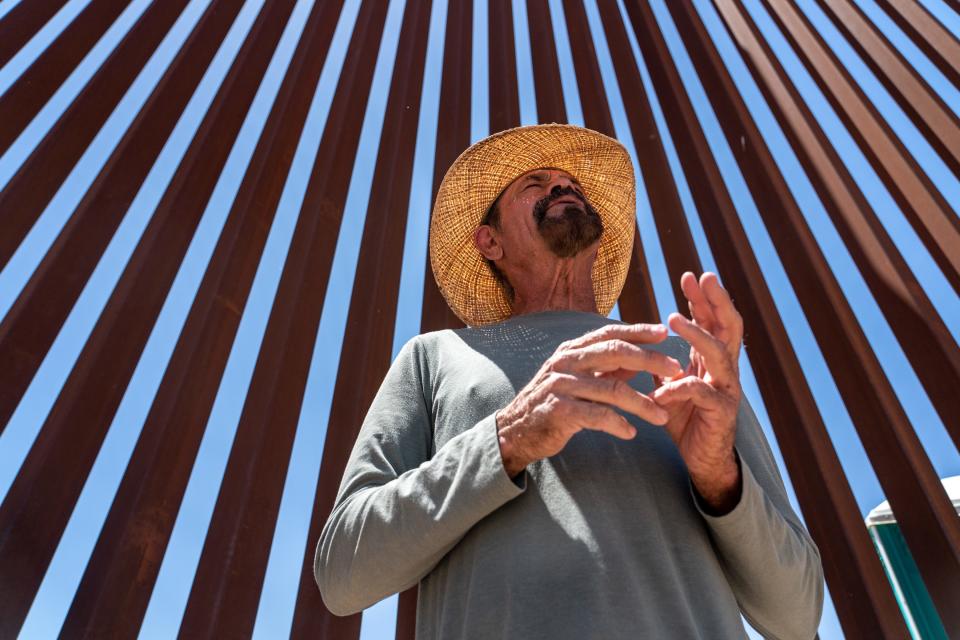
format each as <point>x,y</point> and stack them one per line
<point>772,565</point>
<point>382,539</point>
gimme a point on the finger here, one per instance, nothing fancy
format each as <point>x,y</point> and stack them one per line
<point>723,309</point>
<point>634,333</point>
<point>613,392</point>
<point>700,309</point>
<point>711,350</point>
<point>611,355</point>
<point>598,417</point>
<point>619,374</point>
<point>691,389</point>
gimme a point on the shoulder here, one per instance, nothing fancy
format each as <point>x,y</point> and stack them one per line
<point>429,345</point>
<point>425,353</point>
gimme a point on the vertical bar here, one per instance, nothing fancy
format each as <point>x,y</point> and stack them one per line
<point>39,503</point>
<point>915,321</point>
<point>410,302</point>
<point>225,593</point>
<point>637,300</point>
<point>679,249</point>
<point>453,136</point>
<point>29,192</point>
<point>407,614</point>
<point>546,69</point>
<point>928,34</point>
<point>926,209</point>
<point>937,124</point>
<point>18,26</point>
<point>31,325</point>
<point>504,97</point>
<point>126,559</point>
<point>831,512</point>
<point>924,512</point>
<point>22,101</point>
<point>368,339</point>
<point>593,97</point>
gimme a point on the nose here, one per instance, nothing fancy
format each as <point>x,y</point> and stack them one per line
<point>559,180</point>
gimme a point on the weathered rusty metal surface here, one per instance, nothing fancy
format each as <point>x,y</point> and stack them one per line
<point>407,615</point>
<point>22,23</point>
<point>31,325</point>
<point>923,205</point>
<point>453,136</point>
<point>115,589</point>
<point>21,102</point>
<point>637,301</point>
<point>593,97</point>
<point>676,241</point>
<point>126,559</point>
<point>504,98</point>
<point>923,106</point>
<point>39,503</point>
<point>914,319</point>
<point>368,339</point>
<point>226,588</point>
<point>924,512</point>
<point>31,189</point>
<point>928,34</point>
<point>546,67</point>
<point>825,496</point>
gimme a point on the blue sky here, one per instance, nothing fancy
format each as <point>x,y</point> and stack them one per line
<point>274,614</point>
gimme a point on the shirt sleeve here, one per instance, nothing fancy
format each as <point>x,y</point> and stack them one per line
<point>399,510</point>
<point>769,558</point>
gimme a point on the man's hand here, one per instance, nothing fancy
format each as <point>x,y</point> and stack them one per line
<point>702,402</point>
<point>578,388</point>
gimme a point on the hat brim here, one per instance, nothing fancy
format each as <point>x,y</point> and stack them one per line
<point>600,164</point>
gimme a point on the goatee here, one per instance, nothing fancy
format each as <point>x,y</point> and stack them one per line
<point>577,227</point>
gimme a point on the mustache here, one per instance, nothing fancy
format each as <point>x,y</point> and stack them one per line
<point>541,206</point>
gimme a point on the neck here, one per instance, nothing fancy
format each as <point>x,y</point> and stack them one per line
<point>562,284</point>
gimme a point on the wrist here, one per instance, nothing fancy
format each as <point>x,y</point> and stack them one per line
<point>513,462</point>
<point>719,489</point>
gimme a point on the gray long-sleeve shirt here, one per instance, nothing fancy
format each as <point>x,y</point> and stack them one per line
<point>603,540</point>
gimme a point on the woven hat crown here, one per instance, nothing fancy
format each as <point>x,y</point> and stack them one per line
<point>600,164</point>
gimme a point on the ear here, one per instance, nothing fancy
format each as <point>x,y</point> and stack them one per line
<point>487,243</point>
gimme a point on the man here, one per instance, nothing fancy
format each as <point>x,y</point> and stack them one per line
<point>548,473</point>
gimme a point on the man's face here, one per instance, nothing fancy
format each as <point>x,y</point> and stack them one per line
<point>548,206</point>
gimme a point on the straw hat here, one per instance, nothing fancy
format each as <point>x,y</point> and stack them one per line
<point>601,165</point>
